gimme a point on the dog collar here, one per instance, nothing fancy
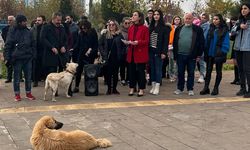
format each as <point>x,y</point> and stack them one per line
<point>70,72</point>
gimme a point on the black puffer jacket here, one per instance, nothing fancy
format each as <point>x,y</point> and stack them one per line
<point>20,44</point>
<point>116,47</point>
<point>84,42</point>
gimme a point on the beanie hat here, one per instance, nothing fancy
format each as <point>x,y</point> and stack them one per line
<point>20,18</point>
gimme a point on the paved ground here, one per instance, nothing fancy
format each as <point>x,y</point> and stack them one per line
<point>151,122</point>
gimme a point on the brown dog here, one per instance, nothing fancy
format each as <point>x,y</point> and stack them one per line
<point>46,137</point>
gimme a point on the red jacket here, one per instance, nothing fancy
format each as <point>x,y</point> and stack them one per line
<point>141,50</point>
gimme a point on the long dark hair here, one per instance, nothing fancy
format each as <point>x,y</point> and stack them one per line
<point>160,24</point>
<point>241,17</point>
<point>141,15</point>
<point>222,29</point>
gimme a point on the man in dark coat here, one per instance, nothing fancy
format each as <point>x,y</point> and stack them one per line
<point>38,71</point>
<point>54,40</point>
<point>5,30</point>
<point>73,32</point>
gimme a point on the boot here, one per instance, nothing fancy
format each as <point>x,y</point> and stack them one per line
<point>247,95</point>
<point>242,90</point>
<point>205,91</point>
<point>157,88</point>
<point>215,91</point>
<point>153,88</point>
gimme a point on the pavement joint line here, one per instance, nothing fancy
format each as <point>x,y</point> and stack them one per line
<point>110,105</point>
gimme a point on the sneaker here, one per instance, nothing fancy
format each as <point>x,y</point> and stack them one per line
<point>123,83</point>
<point>201,79</point>
<point>17,97</point>
<point>191,93</point>
<point>172,79</point>
<point>30,96</point>
<point>177,92</point>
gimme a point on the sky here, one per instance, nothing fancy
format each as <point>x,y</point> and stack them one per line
<point>188,5</point>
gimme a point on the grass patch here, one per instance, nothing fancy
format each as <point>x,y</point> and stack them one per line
<point>228,66</point>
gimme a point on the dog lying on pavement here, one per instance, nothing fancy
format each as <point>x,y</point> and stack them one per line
<point>45,136</point>
<point>63,79</point>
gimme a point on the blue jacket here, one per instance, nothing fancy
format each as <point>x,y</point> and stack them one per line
<point>224,47</point>
<point>242,39</point>
<point>205,28</point>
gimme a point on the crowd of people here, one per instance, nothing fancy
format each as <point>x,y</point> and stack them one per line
<point>130,50</point>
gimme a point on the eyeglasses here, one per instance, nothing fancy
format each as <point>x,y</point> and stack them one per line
<point>126,22</point>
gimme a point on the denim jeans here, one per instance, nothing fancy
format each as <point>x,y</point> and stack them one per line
<point>172,67</point>
<point>155,62</point>
<point>183,62</point>
<point>202,66</point>
<point>24,65</point>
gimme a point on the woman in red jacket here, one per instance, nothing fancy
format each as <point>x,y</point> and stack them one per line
<point>137,56</point>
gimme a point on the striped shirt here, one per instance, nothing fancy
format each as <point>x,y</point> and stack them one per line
<point>153,39</point>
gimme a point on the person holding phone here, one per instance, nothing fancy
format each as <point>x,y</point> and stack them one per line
<point>242,49</point>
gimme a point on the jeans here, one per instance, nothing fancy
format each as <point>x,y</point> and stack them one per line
<point>24,65</point>
<point>172,67</point>
<point>183,62</point>
<point>202,67</point>
<point>155,62</point>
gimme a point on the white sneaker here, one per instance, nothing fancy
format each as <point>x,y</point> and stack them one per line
<point>191,93</point>
<point>153,87</point>
<point>201,79</point>
<point>172,79</point>
<point>177,92</point>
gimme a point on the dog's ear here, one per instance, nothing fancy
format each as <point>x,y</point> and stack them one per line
<point>67,64</point>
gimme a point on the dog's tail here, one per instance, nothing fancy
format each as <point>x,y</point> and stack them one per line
<point>103,143</point>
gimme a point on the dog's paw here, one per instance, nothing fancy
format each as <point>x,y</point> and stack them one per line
<point>53,100</point>
<point>68,96</point>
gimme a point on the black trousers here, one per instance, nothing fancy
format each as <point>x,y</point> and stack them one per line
<point>112,75</point>
<point>137,75</point>
<point>124,70</point>
<point>38,70</point>
<point>243,61</point>
<point>79,70</point>
<point>218,65</point>
<point>9,71</point>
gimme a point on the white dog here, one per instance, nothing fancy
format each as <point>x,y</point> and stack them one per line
<point>63,79</point>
